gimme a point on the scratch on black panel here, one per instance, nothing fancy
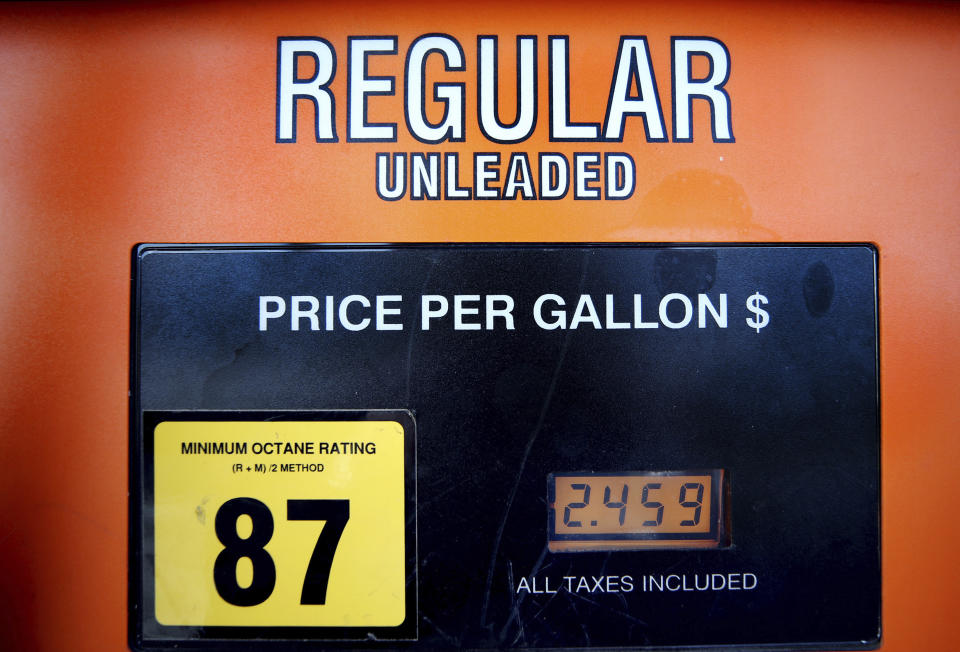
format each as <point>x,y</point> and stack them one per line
<point>583,627</point>
<point>618,612</point>
<point>446,637</point>
<point>515,615</point>
<point>516,605</point>
<point>435,496</point>
<point>526,454</point>
<point>413,327</point>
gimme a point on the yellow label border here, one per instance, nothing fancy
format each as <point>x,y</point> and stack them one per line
<point>143,552</point>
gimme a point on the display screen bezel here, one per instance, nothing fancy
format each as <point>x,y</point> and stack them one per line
<point>667,539</point>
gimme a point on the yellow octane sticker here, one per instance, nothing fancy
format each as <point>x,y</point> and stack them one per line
<point>279,523</point>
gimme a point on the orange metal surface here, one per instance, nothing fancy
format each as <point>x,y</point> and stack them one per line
<point>128,123</point>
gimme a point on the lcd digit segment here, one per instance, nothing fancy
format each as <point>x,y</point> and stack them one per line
<point>637,510</point>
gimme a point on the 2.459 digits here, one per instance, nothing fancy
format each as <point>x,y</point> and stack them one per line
<point>691,497</point>
<point>660,505</point>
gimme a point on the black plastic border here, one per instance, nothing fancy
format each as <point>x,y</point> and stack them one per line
<point>134,583</point>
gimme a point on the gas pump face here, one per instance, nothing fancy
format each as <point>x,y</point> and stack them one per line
<point>438,325</point>
<point>610,446</point>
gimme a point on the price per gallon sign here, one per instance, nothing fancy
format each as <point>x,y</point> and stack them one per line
<point>496,446</point>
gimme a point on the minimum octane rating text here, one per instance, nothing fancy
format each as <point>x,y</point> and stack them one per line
<point>278,448</point>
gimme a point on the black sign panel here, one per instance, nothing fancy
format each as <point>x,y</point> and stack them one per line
<point>496,446</point>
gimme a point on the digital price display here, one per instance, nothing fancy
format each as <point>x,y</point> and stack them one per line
<point>636,510</point>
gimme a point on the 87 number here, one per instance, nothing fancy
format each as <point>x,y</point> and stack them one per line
<point>336,513</point>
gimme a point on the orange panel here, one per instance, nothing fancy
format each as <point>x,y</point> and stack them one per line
<point>123,123</point>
